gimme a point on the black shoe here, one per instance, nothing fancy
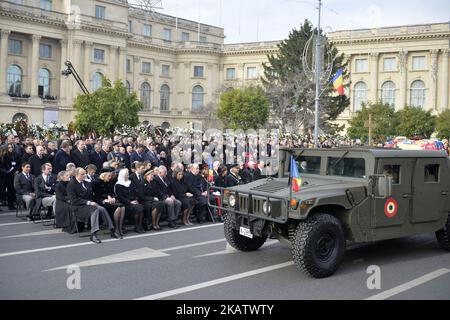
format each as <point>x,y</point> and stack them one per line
<point>115,235</point>
<point>94,239</point>
<point>138,230</point>
<point>173,225</point>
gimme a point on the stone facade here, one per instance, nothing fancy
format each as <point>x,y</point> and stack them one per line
<point>179,67</point>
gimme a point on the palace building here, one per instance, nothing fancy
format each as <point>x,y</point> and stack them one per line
<point>178,68</point>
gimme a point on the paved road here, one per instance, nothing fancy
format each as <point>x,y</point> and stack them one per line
<point>195,263</point>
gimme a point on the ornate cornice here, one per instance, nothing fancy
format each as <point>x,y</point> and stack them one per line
<point>378,39</point>
<point>30,16</point>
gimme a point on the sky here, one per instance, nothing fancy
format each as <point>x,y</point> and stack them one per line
<point>265,20</point>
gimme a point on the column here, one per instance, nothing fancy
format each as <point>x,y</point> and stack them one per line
<point>87,63</point>
<point>112,64</point>
<point>403,66</point>
<point>122,64</point>
<point>432,105</point>
<point>74,88</point>
<point>374,77</point>
<point>34,65</point>
<point>63,81</point>
<point>445,80</point>
<point>3,60</point>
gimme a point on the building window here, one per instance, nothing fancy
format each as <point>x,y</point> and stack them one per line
<point>202,39</point>
<point>361,65</point>
<point>389,64</point>
<point>97,81</point>
<point>15,46</point>
<point>146,67</point>
<point>360,95</point>
<point>46,5</point>
<point>145,95</point>
<point>388,93</point>
<point>128,86</point>
<point>184,36</point>
<point>14,80</point>
<point>167,34</point>
<point>231,73</point>
<point>130,26</point>
<point>198,71</point>
<point>165,95</point>
<point>147,31</point>
<point>165,70</point>
<point>251,73</point>
<point>100,12</point>
<point>128,65</point>
<point>197,98</point>
<point>418,94</point>
<point>99,55</point>
<point>419,63</point>
<point>20,117</point>
<point>45,51</point>
<point>44,83</point>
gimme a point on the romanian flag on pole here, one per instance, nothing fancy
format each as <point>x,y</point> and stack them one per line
<point>295,176</point>
<point>338,82</point>
<point>210,170</point>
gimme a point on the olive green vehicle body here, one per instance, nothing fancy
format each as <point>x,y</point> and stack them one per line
<point>421,206</point>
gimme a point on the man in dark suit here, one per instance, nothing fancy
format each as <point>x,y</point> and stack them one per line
<point>138,155</point>
<point>97,157</point>
<point>258,173</point>
<point>80,155</point>
<point>173,206</point>
<point>194,180</point>
<point>44,188</point>
<point>152,156</point>
<point>137,178</point>
<point>233,179</point>
<point>62,157</point>
<point>80,195</point>
<point>36,161</point>
<point>23,184</point>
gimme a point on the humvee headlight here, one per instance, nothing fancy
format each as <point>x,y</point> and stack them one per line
<point>305,205</point>
<point>294,204</point>
<point>232,200</point>
<point>267,207</point>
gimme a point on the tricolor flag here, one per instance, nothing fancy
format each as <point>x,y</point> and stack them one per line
<point>295,176</point>
<point>338,82</point>
<point>211,170</point>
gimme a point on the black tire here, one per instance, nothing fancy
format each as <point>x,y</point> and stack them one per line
<point>443,235</point>
<point>240,242</point>
<point>319,245</point>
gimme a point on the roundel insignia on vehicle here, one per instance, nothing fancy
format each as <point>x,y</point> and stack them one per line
<point>391,208</point>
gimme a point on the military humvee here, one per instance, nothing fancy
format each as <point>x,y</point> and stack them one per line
<point>347,195</point>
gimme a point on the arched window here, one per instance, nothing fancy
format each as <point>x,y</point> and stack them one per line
<point>145,95</point>
<point>128,86</point>
<point>44,83</point>
<point>14,80</point>
<point>165,125</point>
<point>20,116</point>
<point>165,97</point>
<point>418,94</point>
<point>360,95</point>
<point>388,93</point>
<point>197,98</point>
<point>97,81</point>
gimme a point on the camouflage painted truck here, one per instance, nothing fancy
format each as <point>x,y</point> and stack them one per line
<point>346,196</point>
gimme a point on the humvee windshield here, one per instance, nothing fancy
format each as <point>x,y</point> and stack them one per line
<point>336,166</point>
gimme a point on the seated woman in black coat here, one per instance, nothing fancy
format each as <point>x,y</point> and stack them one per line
<point>219,181</point>
<point>103,195</point>
<point>127,194</point>
<point>182,192</point>
<point>62,206</point>
<point>153,206</point>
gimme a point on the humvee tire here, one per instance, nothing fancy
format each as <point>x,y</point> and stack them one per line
<point>240,242</point>
<point>443,235</point>
<point>318,246</point>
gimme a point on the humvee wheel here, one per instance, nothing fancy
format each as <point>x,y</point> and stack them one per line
<point>240,242</point>
<point>443,235</point>
<point>318,246</point>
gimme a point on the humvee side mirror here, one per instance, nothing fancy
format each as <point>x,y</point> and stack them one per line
<point>382,186</point>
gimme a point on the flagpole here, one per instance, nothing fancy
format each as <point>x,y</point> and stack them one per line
<point>318,67</point>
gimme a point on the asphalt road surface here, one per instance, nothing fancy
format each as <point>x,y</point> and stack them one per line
<point>190,263</point>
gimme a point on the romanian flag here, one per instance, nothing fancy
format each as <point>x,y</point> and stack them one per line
<point>338,82</point>
<point>211,170</point>
<point>295,176</point>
